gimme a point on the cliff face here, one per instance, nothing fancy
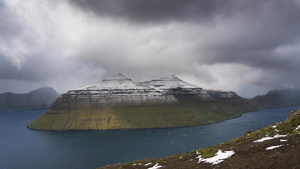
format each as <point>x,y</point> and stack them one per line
<point>119,90</point>
<point>118,103</point>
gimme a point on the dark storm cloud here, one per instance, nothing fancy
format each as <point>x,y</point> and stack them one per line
<point>255,34</point>
<point>219,43</point>
<point>251,29</point>
<point>249,33</point>
<point>152,11</point>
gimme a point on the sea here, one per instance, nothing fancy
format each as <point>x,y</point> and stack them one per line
<point>31,149</point>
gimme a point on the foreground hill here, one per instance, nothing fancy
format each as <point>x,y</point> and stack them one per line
<point>41,98</point>
<point>120,103</point>
<point>276,146</point>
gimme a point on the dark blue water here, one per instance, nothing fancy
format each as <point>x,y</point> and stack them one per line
<point>24,148</point>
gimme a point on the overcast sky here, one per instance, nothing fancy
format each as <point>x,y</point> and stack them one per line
<point>246,46</point>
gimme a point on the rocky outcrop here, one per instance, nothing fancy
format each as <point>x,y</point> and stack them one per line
<point>294,114</point>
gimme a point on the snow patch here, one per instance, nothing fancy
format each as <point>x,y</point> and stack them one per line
<point>297,128</point>
<point>148,164</point>
<point>119,77</point>
<point>268,138</point>
<point>272,147</point>
<point>282,140</point>
<point>218,158</point>
<point>115,82</point>
<point>169,82</point>
<point>156,166</point>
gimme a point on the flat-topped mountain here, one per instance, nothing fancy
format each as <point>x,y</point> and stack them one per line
<point>118,102</point>
<point>41,98</point>
<point>119,90</point>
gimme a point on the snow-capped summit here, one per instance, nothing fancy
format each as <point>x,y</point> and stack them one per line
<point>171,77</point>
<point>118,81</point>
<point>169,82</point>
<point>118,77</point>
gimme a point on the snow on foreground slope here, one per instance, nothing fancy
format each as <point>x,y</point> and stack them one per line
<point>218,158</point>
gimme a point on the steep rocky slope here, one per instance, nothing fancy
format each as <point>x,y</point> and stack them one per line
<point>120,103</point>
<point>41,98</point>
<point>276,146</point>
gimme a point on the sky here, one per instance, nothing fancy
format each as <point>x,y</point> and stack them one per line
<point>246,46</point>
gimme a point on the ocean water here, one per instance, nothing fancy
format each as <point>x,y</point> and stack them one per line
<point>29,149</point>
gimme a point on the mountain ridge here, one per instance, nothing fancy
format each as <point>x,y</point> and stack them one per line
<point>41,98</point>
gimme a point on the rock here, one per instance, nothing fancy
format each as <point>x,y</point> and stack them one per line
<point>294,114</point>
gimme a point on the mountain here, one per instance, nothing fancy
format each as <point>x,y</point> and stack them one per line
<point>276,146</point>
<point>41,98</point>
<point>118,102</point>
<point>280,97</point>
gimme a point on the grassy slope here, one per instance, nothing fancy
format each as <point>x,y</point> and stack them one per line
<point>247,153</point>
<point>189,113</point>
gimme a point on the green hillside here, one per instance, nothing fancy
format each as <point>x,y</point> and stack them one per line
<point>189,112</point>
